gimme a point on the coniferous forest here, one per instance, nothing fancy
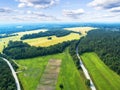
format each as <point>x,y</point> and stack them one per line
<point>20,50</point>
<point>106,44</point>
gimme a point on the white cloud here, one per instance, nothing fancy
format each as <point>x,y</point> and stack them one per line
<point>6,10</point>
<point>105,4</point>
<point>37,3</point>
<point>42,15</point>
<point>10,14</point>
<point>21,5</point>
<point>117,9</point>
<point>73,13</point>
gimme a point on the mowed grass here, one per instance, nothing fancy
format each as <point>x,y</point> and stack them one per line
<point>69,76</point>
<point>50,75</point>
<point>44,42</point>
<point>103,77</point>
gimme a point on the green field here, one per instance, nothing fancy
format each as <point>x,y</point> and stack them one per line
<point>69,76</point>
<point>103,77</point>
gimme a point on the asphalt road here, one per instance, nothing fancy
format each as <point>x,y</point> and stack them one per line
<point>92,86</point>
<point>14,74</point>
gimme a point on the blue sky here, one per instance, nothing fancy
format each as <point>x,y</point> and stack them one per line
<point>60,10</point>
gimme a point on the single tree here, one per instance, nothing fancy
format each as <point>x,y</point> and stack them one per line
<point>61,86</point>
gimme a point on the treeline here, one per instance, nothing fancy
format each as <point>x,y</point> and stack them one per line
<point>10,60</point>
<point>72,51</point>
<point>7,81</point>
<point>106,44</point>
<point>57,33</point>
<point>20,50</point>
<point>8,35</point>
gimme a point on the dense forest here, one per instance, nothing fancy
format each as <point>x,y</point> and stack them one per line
<point>20,50</point>
<point>72,51</point>
<point>106,43</point>
<point>7,81</point>
<point>57,33</point>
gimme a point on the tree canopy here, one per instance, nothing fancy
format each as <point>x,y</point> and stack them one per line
<point>20,50</point>
<point>7,81</point>
<point>106,43</point>
<point>57,33</point>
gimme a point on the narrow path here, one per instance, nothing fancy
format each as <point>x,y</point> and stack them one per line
<point>14,73</point>
<point>92,86</point>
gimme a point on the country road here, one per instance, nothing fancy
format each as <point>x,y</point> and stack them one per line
<point>14,74</point>
<point>92,86</point>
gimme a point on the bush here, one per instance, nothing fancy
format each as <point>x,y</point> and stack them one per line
<point>87,82</point>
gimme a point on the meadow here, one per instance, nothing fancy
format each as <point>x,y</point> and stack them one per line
<point>4,41</point>
<point>82,30</point>
<point>44,42</point>
<point>103,77</point>
<point>33,68</point>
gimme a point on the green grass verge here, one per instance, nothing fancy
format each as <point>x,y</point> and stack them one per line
<point>69,76</point>
<point>103,77</point>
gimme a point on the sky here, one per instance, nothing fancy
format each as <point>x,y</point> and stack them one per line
<point>59,11</point>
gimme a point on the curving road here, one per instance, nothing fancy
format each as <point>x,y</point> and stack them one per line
<point>92,86</point>
<point>14,74</point>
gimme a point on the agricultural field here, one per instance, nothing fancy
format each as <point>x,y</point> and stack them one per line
<point>103,77</point>
<point>44,42</point>
<point>32,70</point>
<point>49,77</point>
<point>31,32</point>
<point>4,41</point>
<point>82,30</point>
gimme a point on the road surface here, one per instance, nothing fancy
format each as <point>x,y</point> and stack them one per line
<point>92,86</point>
<point>14,73</point>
